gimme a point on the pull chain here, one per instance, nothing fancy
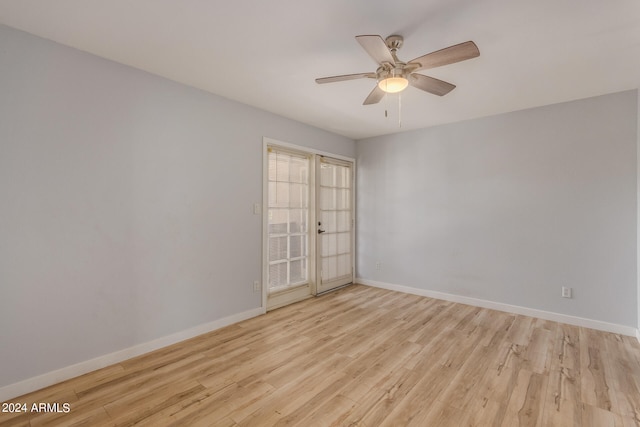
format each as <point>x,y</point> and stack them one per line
<point>386,108</point>
<point>386,105</point>
<point>399,110</point>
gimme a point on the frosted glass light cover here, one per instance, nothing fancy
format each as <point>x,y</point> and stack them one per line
<point>393,84</point>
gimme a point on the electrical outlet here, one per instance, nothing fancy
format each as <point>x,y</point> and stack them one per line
<point>256,286</point>
<point>566,292</point>
<point>257,210</point>
<point>378,265</point>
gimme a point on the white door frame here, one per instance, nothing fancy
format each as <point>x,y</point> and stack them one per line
<point>266,142</point>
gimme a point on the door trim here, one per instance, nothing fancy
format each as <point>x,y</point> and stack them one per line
<point>266,142</point>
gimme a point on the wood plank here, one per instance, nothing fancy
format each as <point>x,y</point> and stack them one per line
<point>331,413</point>
<point>595,385</point>
<point>437,414</point>
<point>526,403</point>
<point>537,357</point>
<point>374,406</point>
<point>93,417</point>
<point>593,416</point>
<point>209,407</point>
<point>563,401</point>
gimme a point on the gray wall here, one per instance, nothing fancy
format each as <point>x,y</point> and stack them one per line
<point>126,205</point>
<point>509,208</point>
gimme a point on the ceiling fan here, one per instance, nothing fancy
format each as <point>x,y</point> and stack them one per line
<point>394,75</point>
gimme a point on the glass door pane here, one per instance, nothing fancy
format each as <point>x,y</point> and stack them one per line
<point>288,195</point>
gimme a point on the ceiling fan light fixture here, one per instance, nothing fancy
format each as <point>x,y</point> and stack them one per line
<point>394,75</point>
<point>393,84</point>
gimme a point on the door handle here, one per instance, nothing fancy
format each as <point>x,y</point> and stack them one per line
<point>320,231</point>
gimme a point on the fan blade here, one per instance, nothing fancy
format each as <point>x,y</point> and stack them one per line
<point>375,96</point>
<point>376,48</point>
<point>431,85</point>
<point>446,56</point>
<point>346,77</point>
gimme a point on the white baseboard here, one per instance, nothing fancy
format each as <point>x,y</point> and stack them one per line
<point>35,383</point>
<point>547,315</point>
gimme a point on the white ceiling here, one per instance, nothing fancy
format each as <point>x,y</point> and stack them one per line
<point>268,53</point>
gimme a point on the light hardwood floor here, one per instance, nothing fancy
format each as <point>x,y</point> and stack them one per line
<point>363,356</point>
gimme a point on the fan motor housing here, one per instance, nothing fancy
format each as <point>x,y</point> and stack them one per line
<point>387,72</point>
<point>394,42</point>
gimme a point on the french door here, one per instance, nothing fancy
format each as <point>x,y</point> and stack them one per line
<point>335,223</point>
<point>309,225</point>
<point>288,231</point>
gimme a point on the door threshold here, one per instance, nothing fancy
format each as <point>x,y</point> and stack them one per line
<point>288,296</point>
<point>333,289</point>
